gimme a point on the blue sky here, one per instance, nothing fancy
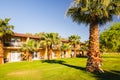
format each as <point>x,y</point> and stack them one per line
<point>34,16</point>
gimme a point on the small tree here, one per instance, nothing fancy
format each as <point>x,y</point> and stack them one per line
<point>6,30</point>
<point>29,47</point>
<point>65,47</point>
<point>84,47</point>
<point>49,40</point>
<point>74,40</point>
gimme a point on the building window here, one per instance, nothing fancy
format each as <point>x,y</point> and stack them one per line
<point>16,42</point>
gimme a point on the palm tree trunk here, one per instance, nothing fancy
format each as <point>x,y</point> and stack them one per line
<point>64,54</point>
<point>30,56</point>
<point>27,55</point>
<point>46,53</point>
<point>49,54</point>
<point>74,51</point>
<point>94,60</point>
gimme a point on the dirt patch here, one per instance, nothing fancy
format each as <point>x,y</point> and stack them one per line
<point>23,73</point>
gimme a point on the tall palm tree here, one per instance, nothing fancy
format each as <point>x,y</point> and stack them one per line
<point>49,40</point>
<point>6,30</point>
<point>65,47</point>
<point>94,13</point>
<point>74,40</point>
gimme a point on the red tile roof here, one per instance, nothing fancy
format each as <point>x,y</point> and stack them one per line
<point>65,41</point>
<point>34,37</point>
<point>25,35</point>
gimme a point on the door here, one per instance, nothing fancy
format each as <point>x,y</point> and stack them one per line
<point>15,56</point>
<point>35,56</point>
<point>54,55</point>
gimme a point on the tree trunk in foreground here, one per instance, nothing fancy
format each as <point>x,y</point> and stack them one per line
<point>94,60</point>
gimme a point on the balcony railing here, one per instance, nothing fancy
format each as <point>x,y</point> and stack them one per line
<point>13,44</point>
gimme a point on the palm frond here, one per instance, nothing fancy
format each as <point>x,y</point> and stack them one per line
<point>97,11</point>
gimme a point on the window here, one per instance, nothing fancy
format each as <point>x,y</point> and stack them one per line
<point>15,42</point>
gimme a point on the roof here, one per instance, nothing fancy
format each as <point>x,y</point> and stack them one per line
<point>34,37</point>
<point>25,35</point>
<point>65,41</point>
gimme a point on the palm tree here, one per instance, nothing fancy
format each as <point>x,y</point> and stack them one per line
<point>84,48</point>
<point>74,40</point>
<point>94,13</point>
<point>6,30</point>
<point>36,46</point>
<point>29,47</point>
<point>40,34</point>
<point>49,40</point>
<point>65,47</point>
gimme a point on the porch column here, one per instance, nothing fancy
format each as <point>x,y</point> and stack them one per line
<point>1,53</point>
<point>1,59</point>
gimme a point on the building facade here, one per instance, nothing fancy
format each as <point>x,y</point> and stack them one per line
<point>12,46</point>
<point>12,49</point>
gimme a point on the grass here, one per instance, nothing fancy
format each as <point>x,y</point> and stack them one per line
<point>60,69</point>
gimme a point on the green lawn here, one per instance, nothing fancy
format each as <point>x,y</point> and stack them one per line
<point>60,69</point>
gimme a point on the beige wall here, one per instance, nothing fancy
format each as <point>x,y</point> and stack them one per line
<point>6,53</point>
<point>58,53</point>
<point>69,53</point>
<point>43,53</point>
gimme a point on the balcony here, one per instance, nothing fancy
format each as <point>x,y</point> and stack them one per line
<point>12,44</point>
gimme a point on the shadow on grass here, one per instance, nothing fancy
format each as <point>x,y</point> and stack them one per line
<point>63,63</point>
<point>108,75</point>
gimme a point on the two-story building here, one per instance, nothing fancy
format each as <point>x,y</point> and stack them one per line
<point>12,46</point>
